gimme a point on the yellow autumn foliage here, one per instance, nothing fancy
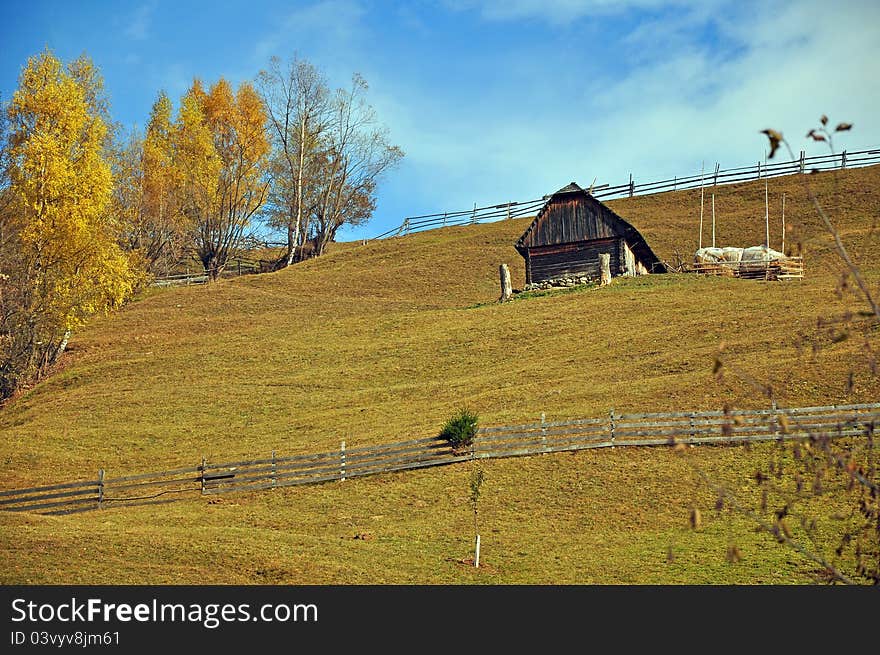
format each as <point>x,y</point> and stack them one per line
<point>61,184</point>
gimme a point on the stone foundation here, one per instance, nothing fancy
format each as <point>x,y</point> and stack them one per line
<point>568,281</point>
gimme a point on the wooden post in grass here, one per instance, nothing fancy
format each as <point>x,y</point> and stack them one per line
<point>506,291</point>
<point>274,470</point>
<point>775,418</point>
<point>342,462</point>
<point>605,268</point>
<point>202,476</point>
<point>543,432</point>
<point>101,489</point>
<point>611,425</point>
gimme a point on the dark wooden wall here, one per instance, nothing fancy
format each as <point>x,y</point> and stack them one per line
<point>572,218</point>
<point>570,259</point>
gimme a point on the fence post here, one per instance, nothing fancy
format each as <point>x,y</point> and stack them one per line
<point>604,268</point>
<point>717,168</point>
<point>802,162</point>
<point>506,287</point>
<point>474,214</point>
<point>843,159</point>
<point>101,489</point>
<point>693,426</point>
<point>444,219</point>
<point>775,418</point>
<point>342,462</point>
<point>631,185</point>
<point>612,425</point>
<point>274,470</point>
<point>202,476</point>
<point>508,210</point>
<point>406,226</point>
<point>543,432</point>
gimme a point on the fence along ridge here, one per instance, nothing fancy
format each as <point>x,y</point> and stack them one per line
<point>636,429</point>
<point>715,177</point>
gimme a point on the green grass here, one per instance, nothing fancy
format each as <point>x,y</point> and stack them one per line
<point>379,343</point>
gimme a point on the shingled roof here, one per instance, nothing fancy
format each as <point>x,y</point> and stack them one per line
<point>562,221</point>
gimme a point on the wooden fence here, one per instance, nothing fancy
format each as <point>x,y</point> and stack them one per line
<point>236,267</point>
<point>714,177</point>
<point>778,269</point>
<point>613,430</point>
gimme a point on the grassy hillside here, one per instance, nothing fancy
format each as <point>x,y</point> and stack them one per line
<point>382,342</point>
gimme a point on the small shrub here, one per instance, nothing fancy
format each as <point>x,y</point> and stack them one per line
<point>461,429</point>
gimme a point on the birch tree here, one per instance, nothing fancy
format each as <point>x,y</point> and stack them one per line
<point>356,154</point>
<point>330,153</point>
<point>296,97</point>
<point>61,261</point>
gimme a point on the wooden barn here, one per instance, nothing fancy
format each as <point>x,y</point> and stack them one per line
<point>572,229</point>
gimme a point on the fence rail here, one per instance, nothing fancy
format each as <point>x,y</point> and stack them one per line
<point>236,266</point>
<point>613,430</point>
<point>714,177</point>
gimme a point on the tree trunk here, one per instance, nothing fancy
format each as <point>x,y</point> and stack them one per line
<point>605,268</point>
<point>505,283</point>
<point>61,347</point>
<point>291,245</point>
<point>299,192</point>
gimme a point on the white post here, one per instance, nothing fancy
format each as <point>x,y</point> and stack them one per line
<point>604,268</point>
<point>783,223</point>
<point>713,220</point>
<point>506,288</point>
<point>477,553</point>
<point>701,205</point>
<point>342,462</point>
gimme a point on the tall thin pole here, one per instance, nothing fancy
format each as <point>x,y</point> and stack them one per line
<point>783,223</point>
<point>766,216</point>
<point>713,220</point>
<point>702,165</point>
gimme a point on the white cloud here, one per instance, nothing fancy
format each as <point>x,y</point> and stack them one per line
<point>138,26</point>
<point>330,27</point>
<point>558,12</point>
<point>671,91</point>
<point>664,117</point>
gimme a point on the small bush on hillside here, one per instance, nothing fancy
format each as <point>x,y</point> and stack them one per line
<point>460,429</point>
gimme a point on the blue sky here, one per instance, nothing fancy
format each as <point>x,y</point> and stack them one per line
<point>503,100</point>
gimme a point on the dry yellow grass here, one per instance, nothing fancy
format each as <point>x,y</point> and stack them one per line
<point>382,342</point>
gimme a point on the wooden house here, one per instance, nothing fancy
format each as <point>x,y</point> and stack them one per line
<point>571,231</point>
